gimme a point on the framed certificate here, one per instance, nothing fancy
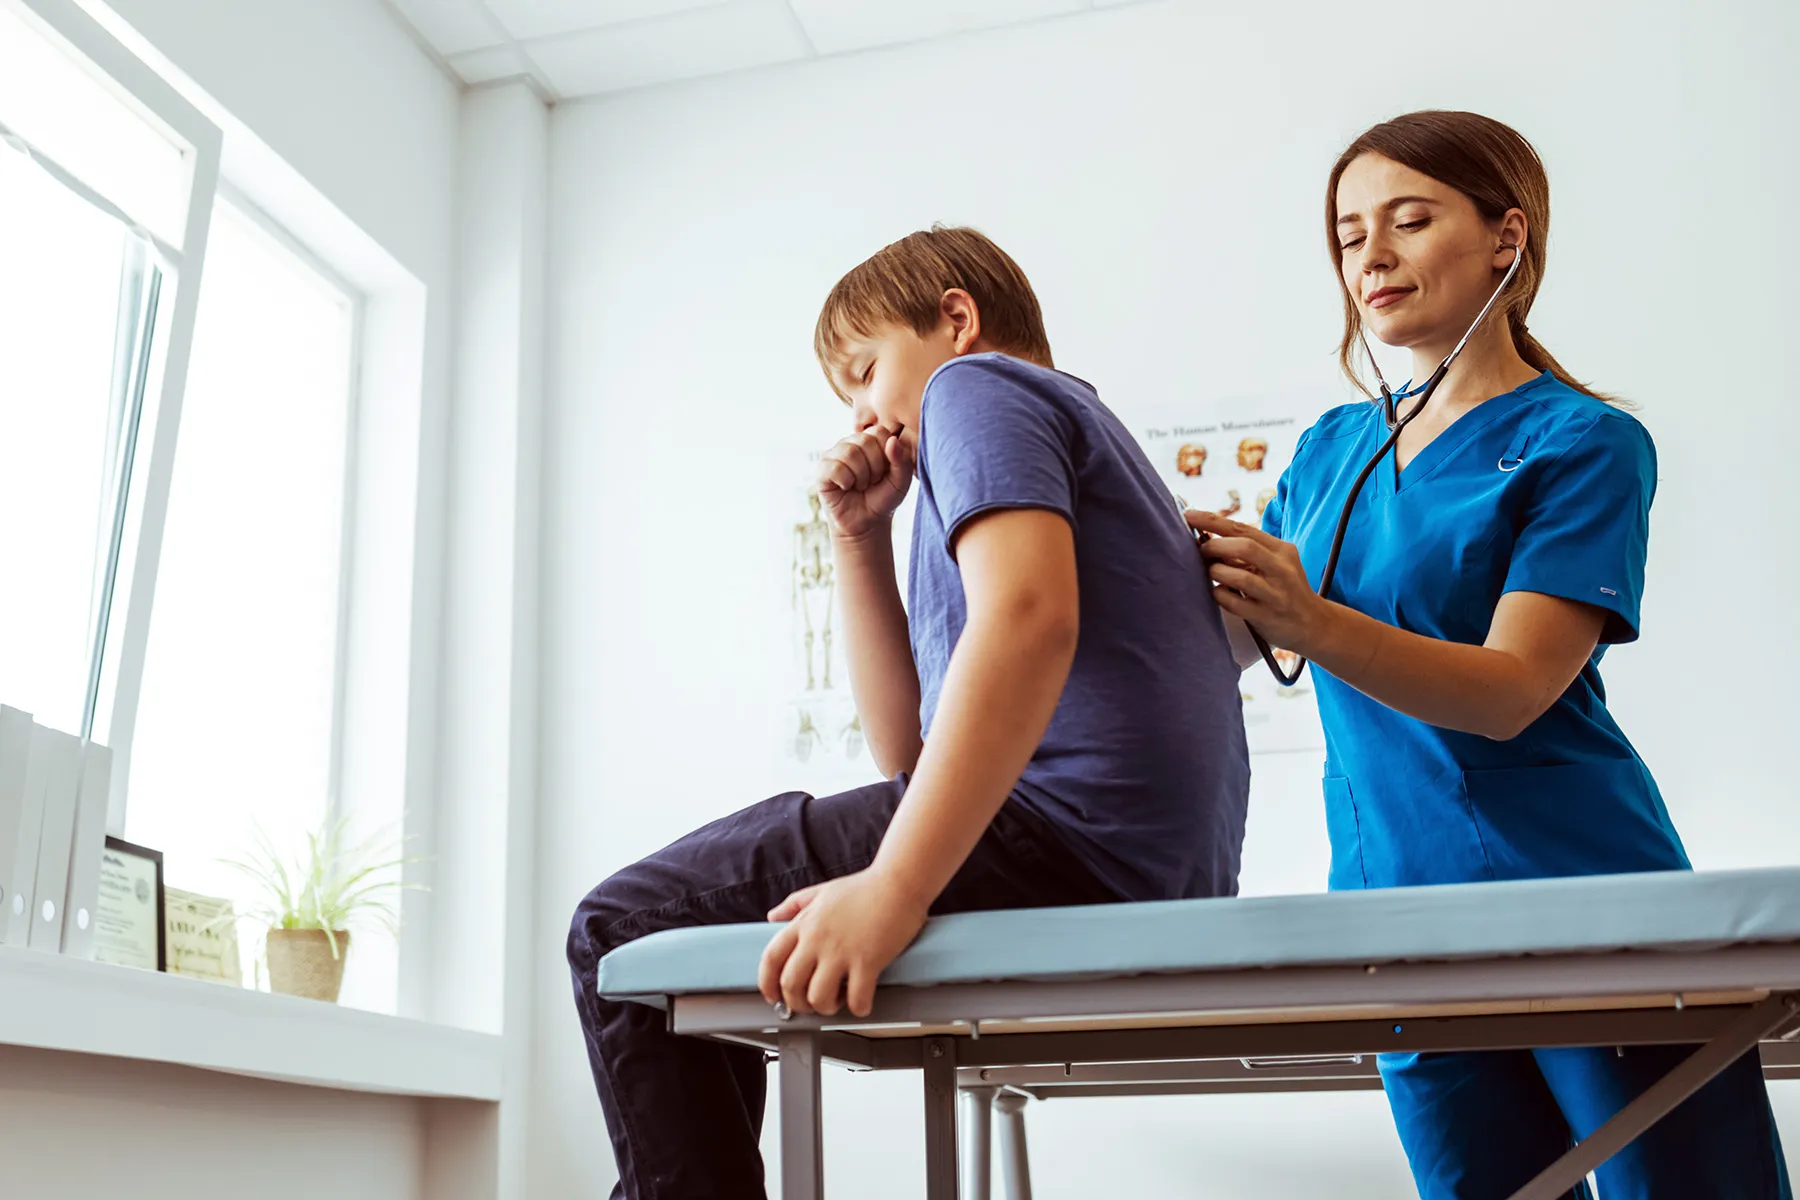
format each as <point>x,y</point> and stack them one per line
<point>129,921</point>
<point>201,938</point>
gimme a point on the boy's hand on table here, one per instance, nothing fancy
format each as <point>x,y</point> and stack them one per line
<point>863,479</point>
<point>840,936</point>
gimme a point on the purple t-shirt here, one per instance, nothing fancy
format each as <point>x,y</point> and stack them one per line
<point>1143,769</point>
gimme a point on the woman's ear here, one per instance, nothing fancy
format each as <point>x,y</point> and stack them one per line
<point>1513,230</point>
<point>959,309</point>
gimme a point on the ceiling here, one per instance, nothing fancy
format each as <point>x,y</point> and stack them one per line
<point>572,48</point>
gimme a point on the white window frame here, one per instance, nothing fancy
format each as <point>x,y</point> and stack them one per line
<point>200,140</point>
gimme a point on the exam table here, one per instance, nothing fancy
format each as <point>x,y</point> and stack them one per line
<point>1263,994</point>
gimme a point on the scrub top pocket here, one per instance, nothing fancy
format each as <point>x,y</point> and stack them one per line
<point>1595,817</point>
<point>1400,833</point>
<point>1346,843</point>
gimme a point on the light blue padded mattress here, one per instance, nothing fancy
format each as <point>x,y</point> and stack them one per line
<point>1591,914</point>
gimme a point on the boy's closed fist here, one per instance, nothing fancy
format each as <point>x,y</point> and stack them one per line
<point>863,479</point>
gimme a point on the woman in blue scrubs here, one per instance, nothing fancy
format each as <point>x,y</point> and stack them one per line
<point>1488,563</point>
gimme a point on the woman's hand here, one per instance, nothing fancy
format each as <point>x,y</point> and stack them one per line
<point>840,936</point>
<point>863,479</point>
<point>1260,580</point>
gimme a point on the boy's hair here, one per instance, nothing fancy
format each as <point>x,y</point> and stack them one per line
<point>904,284</point>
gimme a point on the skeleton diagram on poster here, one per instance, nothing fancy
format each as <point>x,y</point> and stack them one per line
<point>822,733</point>
<point>1229,460</point>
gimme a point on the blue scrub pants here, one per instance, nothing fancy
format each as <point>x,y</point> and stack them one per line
<point>1480,1125</point>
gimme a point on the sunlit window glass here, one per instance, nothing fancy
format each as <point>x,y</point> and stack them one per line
<point>61,267</point>
<point>236,721</point>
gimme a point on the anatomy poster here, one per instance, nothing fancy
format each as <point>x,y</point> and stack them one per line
<point>820,735</point>
<point>1228,457</point>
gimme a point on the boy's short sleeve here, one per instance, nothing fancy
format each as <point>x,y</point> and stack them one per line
<point>1586,529</point>
<point>988,440</point>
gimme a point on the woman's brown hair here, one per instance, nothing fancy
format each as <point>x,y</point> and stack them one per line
<point>1494,166</point>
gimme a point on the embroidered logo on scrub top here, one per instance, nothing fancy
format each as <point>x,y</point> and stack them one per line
<point>1608,592</point>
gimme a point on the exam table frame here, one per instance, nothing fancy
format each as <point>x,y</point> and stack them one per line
<point>1259,1030</point>
<point>994,1098</point>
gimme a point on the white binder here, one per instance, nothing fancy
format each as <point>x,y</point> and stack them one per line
<point>61,785</point>
<point>87,846</point>
<point>15,920</point>
<point>15,755</point>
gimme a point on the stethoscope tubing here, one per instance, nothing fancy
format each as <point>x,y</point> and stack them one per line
<point>1397,424</point>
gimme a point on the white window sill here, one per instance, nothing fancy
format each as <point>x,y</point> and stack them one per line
<point>54,1003</point>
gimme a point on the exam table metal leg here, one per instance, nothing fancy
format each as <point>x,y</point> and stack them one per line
<point>1015,1163</point>
<point>978,1143</point>
<point>1662,1097</point>
<point>940,1119</point>
<point>802,1124</point>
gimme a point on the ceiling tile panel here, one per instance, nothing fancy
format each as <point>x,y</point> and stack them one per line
<point>839,25</point>
<point>706,41</point>
<point>452,26</point>
<point>485,66</point>
<point>547,18</point>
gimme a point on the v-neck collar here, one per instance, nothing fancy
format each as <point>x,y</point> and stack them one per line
<point>1459,431</point>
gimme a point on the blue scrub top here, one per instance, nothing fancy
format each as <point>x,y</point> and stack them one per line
<point>1542,489</point>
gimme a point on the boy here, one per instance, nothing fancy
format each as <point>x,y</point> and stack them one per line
<point>1058,718</point>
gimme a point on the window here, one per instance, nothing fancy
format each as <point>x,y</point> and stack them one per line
<point>173,525</point>
<point>50,99</point>
<point>96,188</point>
<point>67,357</point>
<point>235,724</point>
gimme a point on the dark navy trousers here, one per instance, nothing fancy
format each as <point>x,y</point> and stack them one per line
<point>685,1115</point>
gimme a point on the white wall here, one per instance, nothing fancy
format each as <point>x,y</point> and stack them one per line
<point>1159,171</point>
<point>77,1127</point>
<point>485,843</point>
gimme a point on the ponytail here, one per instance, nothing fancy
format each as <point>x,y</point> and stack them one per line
<point>1540,359</point>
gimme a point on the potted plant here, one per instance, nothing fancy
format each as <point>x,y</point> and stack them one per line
<point>312,902</point>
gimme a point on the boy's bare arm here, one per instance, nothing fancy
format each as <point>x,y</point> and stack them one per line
<point>883,677</point>
<point>1001,689</point>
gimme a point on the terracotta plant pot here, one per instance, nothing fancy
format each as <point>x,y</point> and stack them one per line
<point>301,963</point>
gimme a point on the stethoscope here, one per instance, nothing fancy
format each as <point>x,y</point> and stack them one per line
<point>1390,401</point>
